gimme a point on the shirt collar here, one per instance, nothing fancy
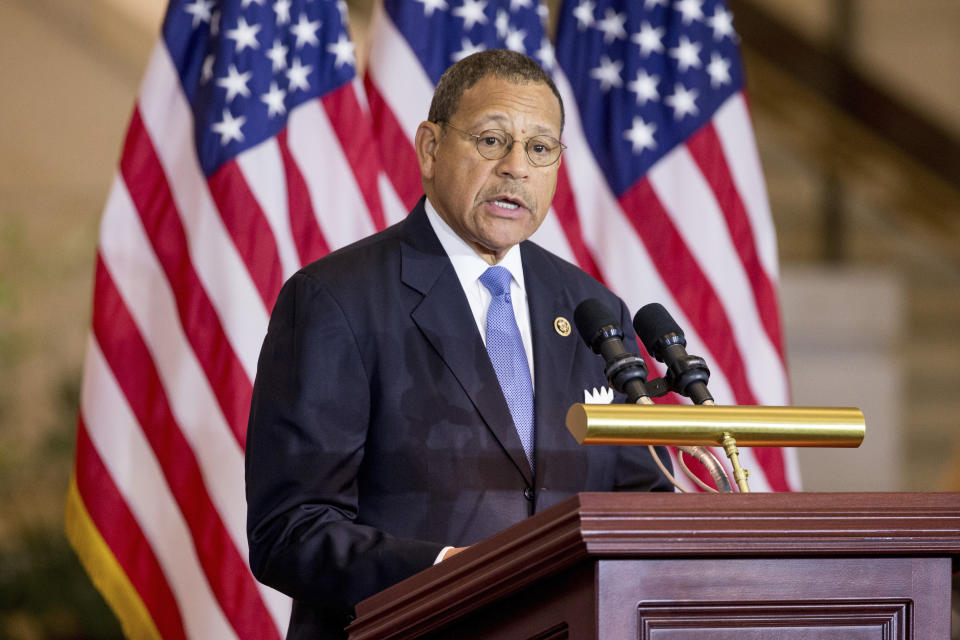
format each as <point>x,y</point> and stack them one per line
<point>466,261</point>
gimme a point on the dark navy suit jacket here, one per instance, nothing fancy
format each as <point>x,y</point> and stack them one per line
<point>378,431</point>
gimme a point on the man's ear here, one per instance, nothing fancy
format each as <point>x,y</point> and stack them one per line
<point>427,142</point>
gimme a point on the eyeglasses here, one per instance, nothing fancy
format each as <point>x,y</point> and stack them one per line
<point>494,144</point>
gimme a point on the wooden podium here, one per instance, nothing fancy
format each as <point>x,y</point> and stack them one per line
<point>613,566</point>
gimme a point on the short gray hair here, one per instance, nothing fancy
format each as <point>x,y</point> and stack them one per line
<point>499,63</point>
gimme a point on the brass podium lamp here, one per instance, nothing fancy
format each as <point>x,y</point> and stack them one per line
<point>712,425</point>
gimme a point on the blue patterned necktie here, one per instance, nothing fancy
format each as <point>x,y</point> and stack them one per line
<point>507,354</point>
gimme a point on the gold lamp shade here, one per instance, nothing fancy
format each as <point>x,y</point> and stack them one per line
<point>628,424</point>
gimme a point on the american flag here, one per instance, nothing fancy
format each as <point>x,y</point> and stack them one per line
<point>245,158</point>
<point>253,149</point>
<point>660,193</point>
<point>671,196</point>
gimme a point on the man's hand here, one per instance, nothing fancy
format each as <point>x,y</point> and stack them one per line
<point>452,552</point>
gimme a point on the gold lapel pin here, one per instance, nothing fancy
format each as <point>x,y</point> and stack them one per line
<point>562,326</point>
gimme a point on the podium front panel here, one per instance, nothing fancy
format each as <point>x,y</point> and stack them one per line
<point>774,599</point>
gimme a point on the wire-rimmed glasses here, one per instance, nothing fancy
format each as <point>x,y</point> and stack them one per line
<point>494,144</point>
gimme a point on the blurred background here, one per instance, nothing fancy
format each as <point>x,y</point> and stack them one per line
<point>856,106</point>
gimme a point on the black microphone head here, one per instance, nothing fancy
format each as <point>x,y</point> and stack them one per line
<point>657,329</point>
<point>595,323</point>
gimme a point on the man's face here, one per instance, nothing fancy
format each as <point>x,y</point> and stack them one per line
<point>491,204</point>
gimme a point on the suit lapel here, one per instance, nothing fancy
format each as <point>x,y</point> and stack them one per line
<point>446,321</point>
<point>553,354</point>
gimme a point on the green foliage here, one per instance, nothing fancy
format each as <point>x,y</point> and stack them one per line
<point>45,593</point>
<point>60,441</point>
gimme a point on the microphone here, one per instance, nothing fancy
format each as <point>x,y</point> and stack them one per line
<point>626,372</point>
<point>686,374</point>
<point>663,338</point>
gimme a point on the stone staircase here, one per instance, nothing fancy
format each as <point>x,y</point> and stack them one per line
<point>897,219</point>
<point>931,357</point>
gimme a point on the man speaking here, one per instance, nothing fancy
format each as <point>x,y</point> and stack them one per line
<point>411,391</point>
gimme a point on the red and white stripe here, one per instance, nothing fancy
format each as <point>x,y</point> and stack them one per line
<point>187,271</point>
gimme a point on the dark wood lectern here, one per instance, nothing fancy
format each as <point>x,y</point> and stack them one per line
<point>613,566</point>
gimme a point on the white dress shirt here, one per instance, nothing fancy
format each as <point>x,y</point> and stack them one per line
<point>469,266</point>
